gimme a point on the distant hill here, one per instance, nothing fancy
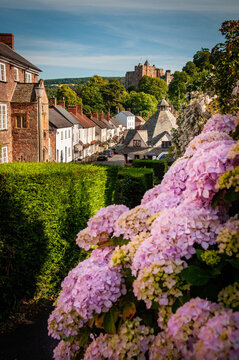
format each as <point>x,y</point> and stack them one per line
<point>76,81</point>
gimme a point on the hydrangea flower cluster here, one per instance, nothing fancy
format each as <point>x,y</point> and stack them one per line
<point>100,227</point>
<point>218,122</point>
<point>161,237</point>
<point>66,350</point>
<point>133,341</point>
<point>228,238</point>
<point>90,288</point>
<point>184,326</point>
<point>211,257</point>
<point>160,282</point>
<point>229,296</point>
<point>218,338</point>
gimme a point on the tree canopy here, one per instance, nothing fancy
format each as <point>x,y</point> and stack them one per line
<point>68,94</point>
<point>141,102</point>
<point>153,86</point>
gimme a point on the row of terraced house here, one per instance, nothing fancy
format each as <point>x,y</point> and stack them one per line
<point>35,129</point>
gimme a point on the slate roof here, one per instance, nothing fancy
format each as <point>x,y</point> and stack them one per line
<point>8,53</point>
<point>127,113</point>
<point>66,114</point>
<point>130,134</point>
<point>99,123</point>
<point>24,93</point>
<point>58,120</point>
<point>116,122</point>
<point>139,119</point>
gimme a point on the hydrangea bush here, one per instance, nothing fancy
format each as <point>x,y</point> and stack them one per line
<point>161,280</point>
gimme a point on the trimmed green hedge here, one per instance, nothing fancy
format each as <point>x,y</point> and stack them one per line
<point>42,208</point>
<point>158,167</point>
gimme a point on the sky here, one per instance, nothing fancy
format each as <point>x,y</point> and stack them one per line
<point>81,38</point>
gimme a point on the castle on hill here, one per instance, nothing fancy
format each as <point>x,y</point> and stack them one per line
<point>132,78</point>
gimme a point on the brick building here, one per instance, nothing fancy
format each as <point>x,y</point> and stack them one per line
<point>24,124</point>
<point>132,78</point>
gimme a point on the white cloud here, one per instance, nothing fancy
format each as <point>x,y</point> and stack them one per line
<point>79,6</point>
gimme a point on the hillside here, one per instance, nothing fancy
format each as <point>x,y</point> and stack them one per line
<point>76,81</point>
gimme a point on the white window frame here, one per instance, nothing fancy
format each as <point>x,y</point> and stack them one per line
<point>3,116</point>
<point>3,72</point>
<point>69,152</point>
<point>16,74</point>
<point>3,155</point>
<point>28,77</point>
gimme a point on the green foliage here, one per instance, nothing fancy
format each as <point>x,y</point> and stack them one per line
<point>177,88</point>
<point>203,59</point>
<point>226,66</point>
<point>140,102</point>
<point>153,86</point>
<point>158,167</point>
<point>69,95</point>
<point>132,184</point>
<point>113,93</point>
<point>77,81</point>
<point>42,208</point>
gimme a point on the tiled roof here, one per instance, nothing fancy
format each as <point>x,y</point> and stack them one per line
<point>84,121</point>
<point>8,53</point>
<point>58,120</point>
<point>162,120</point>
<point>130,134</point>
<point>99,123</point>
<point>116,122</point>
<point>24,93</point>
<point>127,113</point>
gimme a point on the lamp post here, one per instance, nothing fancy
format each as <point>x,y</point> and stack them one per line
<point>39,93</point>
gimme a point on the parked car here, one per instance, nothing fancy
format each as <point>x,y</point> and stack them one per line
<point>102,157</point>
<point>108,152</point>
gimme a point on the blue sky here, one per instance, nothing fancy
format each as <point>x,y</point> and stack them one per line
<point>77,38</point>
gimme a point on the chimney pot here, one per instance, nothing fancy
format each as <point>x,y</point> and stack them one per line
<point>52,101</point>
<point>72,108</point>
<point>79,109</point>
<point>61,102</point>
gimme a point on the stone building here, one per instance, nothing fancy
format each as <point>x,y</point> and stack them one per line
<point>132,78</point>
<point>153,138</point>
<point>24,125</point>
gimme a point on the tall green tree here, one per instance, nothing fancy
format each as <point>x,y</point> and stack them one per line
<point>91,94</point>
<point>113,93</point>
<point>177,88</point>
<point>153,86</point>
<point>69,95</point>
<point>141,102</point>
<point>226,66</point>
<point>203,59</point>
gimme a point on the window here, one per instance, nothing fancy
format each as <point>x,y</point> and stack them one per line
<point>28,77</point>
<point>65,134</point>
<point>3,116</point>
<point>62,135</point>
<point>3,155</point>
<point>137,143</point>
<point>69,151</point>
<point>21,121</point>
<point>49,148</point>
<point>2,72</point>
<point>69,133</point>
<point>166,144</point>
<point>16,74</point>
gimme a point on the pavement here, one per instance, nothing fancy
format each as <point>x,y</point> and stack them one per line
<point>117,159</point>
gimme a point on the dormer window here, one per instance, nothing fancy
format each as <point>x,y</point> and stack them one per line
<point>16,74</point>
<point>137,143</point>
<point>28,77</point>
<point>166,144</point>
<point>2,72</point>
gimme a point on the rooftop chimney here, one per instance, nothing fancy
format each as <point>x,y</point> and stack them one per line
<point>102,115</point>
<point>117,109</point>
<point>52,101</point>
<point>61,102</point>
<point>79,109</point>
<point>108,116</point>
<point>72,109</point>
<point>95,114</point>
<point>7,39</point>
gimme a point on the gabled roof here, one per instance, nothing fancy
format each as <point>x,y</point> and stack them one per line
<point>129,136</point>
<point>58,120</point>
<point>116,122</point>
<point>24,93</point>
<point>11,55</point>
<point>84,121</point>
<point>66,114</point>
<point>107,124</point>
<point>99,123</point>
<point>127,113</point>
<point>157,138</point>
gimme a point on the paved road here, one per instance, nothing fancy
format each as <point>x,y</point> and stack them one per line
<point>116,159</point>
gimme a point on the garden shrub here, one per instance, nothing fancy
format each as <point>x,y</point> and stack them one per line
<point>158,167</point>
<point>42,207</point>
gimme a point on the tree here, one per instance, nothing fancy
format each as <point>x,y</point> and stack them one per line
<point>177,88</point>
<point>141,102</point>
<point>69,95</point>
<point>113,93</point>
<point>226,66</point>
<point>190,68</point>
<point>153,86</point>
<point>203,59</point>
<point>91,94</point>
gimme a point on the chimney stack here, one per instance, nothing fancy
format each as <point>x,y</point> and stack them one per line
<point>147,115</point>
<point>129,109</point>
<point>7,39</point>
<point>95,114</point>
<point>79,109</point>
<point>108,116</point>
<point>140,114</point>
<point>102,115</point>
<point>72,109</point>
<point>52,101</point>
<point>61,102</point>
<point>117,109</point>
<point>89,115</point>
